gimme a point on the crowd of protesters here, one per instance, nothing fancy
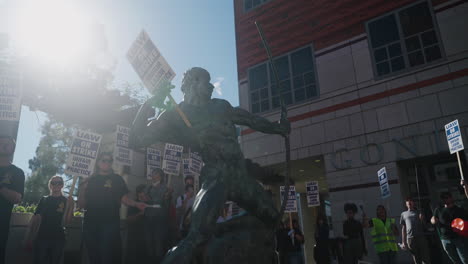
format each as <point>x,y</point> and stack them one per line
<point>155,223</point>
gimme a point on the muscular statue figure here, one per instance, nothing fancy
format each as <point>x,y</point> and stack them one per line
<point>213,135</point>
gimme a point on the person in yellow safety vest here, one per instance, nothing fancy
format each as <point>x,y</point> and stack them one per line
<point>383,235</point>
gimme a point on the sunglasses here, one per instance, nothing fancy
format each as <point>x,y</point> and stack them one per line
<point>106,161</point>
<point>56,183</point>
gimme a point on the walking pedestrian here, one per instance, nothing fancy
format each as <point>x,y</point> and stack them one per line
<point>412,233</point>
<point>454,245</point>
<point>321,250</point>
<point>354,243</point>
<point>101,195</point>
<point>11,189</point>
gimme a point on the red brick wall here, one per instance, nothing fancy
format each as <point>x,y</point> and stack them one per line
<point>290,24</point>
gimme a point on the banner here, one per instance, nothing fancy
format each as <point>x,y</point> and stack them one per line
<point>172,159</point>
<point>153,160</point>
<point>83,153</point>
<point>10,95</point>
<point>291,204</point>
<point>383,182</point>
<point>148,62</point>
<point>122,153</point>
<point>313,198</point>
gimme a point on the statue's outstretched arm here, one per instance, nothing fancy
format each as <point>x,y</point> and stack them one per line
<point>245,118</point>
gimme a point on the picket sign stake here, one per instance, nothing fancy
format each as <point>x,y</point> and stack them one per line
<point>69,207</point>
<point>181,113</point>
<point>460,166</point>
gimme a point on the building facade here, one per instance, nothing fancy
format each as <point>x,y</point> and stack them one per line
<point>368,84</point>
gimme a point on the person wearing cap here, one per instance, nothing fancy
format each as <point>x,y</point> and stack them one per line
<point>11,189</point>
<point>383,234</point>
<point>454,245</point>
<point>101,195</point>
<point>412,233</point>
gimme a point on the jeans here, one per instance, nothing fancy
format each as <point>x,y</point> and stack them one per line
<point>456,249</point>
<point>48,251</point>
<point>102,240</point>
<point>295,257</point>
<point>387,257</point>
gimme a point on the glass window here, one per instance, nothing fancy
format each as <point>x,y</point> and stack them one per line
<point>296,73</point>
<point>403,39</point>
<point>251,4</point>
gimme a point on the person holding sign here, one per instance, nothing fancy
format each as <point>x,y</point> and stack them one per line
<point>454,245</point>
<point>101,195</point>
<point>383,232</point>
<point>46,231</point>
<point>11,189</point>
<point>211,131</point>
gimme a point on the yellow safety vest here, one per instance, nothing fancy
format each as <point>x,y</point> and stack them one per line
<point>382,235</point>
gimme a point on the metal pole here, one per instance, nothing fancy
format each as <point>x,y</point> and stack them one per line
<point>417,185</point>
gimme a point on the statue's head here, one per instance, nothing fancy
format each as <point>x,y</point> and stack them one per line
<point>196,82</point>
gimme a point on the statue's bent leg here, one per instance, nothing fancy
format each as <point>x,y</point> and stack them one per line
<point>206,210</point>
<point>251,196</point>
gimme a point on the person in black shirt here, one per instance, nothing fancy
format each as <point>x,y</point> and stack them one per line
<point>321,250</point>
<point>354,244</point>
<point>296,240</point>
<point>136,248</point>
<point>454,245</point>
<point>46,230</point>
<point>101,195</point>
<point>11,189</point>
<point>282,243</point>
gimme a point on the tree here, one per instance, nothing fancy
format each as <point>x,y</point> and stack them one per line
<point>50,159</point>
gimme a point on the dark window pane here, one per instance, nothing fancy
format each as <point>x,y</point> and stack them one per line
<point>299,95</point>
<point>383,68</point>
<point>264,93</point>
<point>274,90</point>
<point>380,55</point>
<point>413,44</point>
<point>265,106</point>
<point>276,102</point>
<point>285,86</point>
<point>429,38</point>
<point>432,53</point>
<point>416,19</point>
<point>302,61</point>
<point>398,64</point>
<point>298,82</point>
<point>255,97</point>
<point>247,4</point>
<point>287,97</point>
<point>383,31</point>
<point>394,50</point>
<point>309,78</point>
<point>256,2</point>
<point>311,91</point>
<point>416,58</point>
<point>255,108</point>
<point>282,66</point>
<point>258,77</point>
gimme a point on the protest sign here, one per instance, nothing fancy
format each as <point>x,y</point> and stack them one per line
<point>455,142</point>
<point>186,171</point>
<point>383,182</point>
<point>172,159</point>
<point>10,95</point>
<point>83,153</point>
<point>122,153</point>
<point>291,204</point>
<point>313,198</point>
<point>196,163</point>
<point>148,62</point>
<point>153,160</point>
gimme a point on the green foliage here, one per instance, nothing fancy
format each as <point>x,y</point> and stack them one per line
<point>159,100</point>
<point>78,214</point>
<point>19,209</point>
<point>50,159</point>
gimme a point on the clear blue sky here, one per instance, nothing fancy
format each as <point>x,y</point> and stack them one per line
<point>187,32</point>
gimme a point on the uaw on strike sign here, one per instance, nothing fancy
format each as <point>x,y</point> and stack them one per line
<point>172,159</point>
<point>122,153</point>
<point>83,154</point>
<point>454,139</point>
<point>291,204</point>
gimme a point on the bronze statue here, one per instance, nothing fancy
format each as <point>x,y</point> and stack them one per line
<point>213,135</point>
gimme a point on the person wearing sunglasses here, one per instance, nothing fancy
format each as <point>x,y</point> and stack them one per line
<point>46,231</point>
<point>11,189</point>
<point>101,195</point>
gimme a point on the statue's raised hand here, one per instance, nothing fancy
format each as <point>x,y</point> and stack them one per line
<point>160,95</point>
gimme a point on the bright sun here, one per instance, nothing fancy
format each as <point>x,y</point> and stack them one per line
<point>54,31</point>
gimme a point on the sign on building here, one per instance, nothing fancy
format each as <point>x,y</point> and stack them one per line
<point>153,160</point>
<point>10,95</point>
<point>291,204</point>
<point>122,153</point>
<point>383,182</point>
<point>313,198</point>
<point>83,153</point>
<point>454,139</point>
<point>172,159</point>
<point>148,62</point>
